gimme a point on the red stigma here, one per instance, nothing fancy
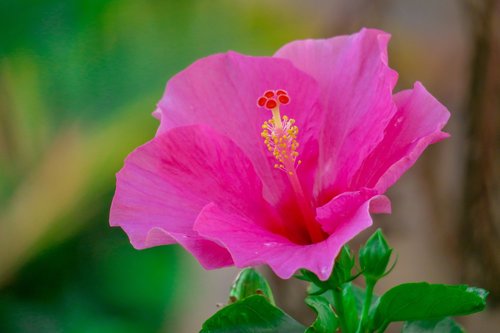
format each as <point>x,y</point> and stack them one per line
<point>269,93</point>
<point>271,104</point>
<point>272,98</point>
<point>284,99</point>
<point>261,101</point>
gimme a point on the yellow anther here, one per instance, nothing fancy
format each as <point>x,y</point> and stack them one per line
<point>280,138</point>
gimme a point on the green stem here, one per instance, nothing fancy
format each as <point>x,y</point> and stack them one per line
<point>363,323</point>
<point>344,303</point>
<point>337,300</point>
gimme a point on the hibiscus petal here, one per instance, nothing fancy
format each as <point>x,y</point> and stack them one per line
<point>221,91</point>
<point>416,125</point>
<point>380,205</point>
<point>356,88</point>
<point>165,183</point>
<point>252,245</point>
<point>341,209</point>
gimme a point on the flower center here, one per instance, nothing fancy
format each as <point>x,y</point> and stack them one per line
<point>280,137</point>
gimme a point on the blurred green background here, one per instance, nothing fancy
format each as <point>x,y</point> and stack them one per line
<point>78,81</point>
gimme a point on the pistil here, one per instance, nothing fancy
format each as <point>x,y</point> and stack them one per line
<point>280,136</point>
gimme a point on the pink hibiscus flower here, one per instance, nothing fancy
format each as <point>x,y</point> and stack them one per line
<point>276,160</point>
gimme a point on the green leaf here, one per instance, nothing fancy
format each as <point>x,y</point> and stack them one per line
<point>374,256</point>
<point>326,320</point>
<point>446,325</point>
<point>315,290</point>
<point>309,276</point>
<point>254,314</point>
<point>250,282</point>
<point>418,301</point>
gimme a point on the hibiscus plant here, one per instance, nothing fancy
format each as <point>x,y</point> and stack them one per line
<point>281,161</point>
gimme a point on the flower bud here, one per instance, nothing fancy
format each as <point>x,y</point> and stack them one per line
<point>250,282</point>
<point>374,256</point>
<point>343,267</point>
